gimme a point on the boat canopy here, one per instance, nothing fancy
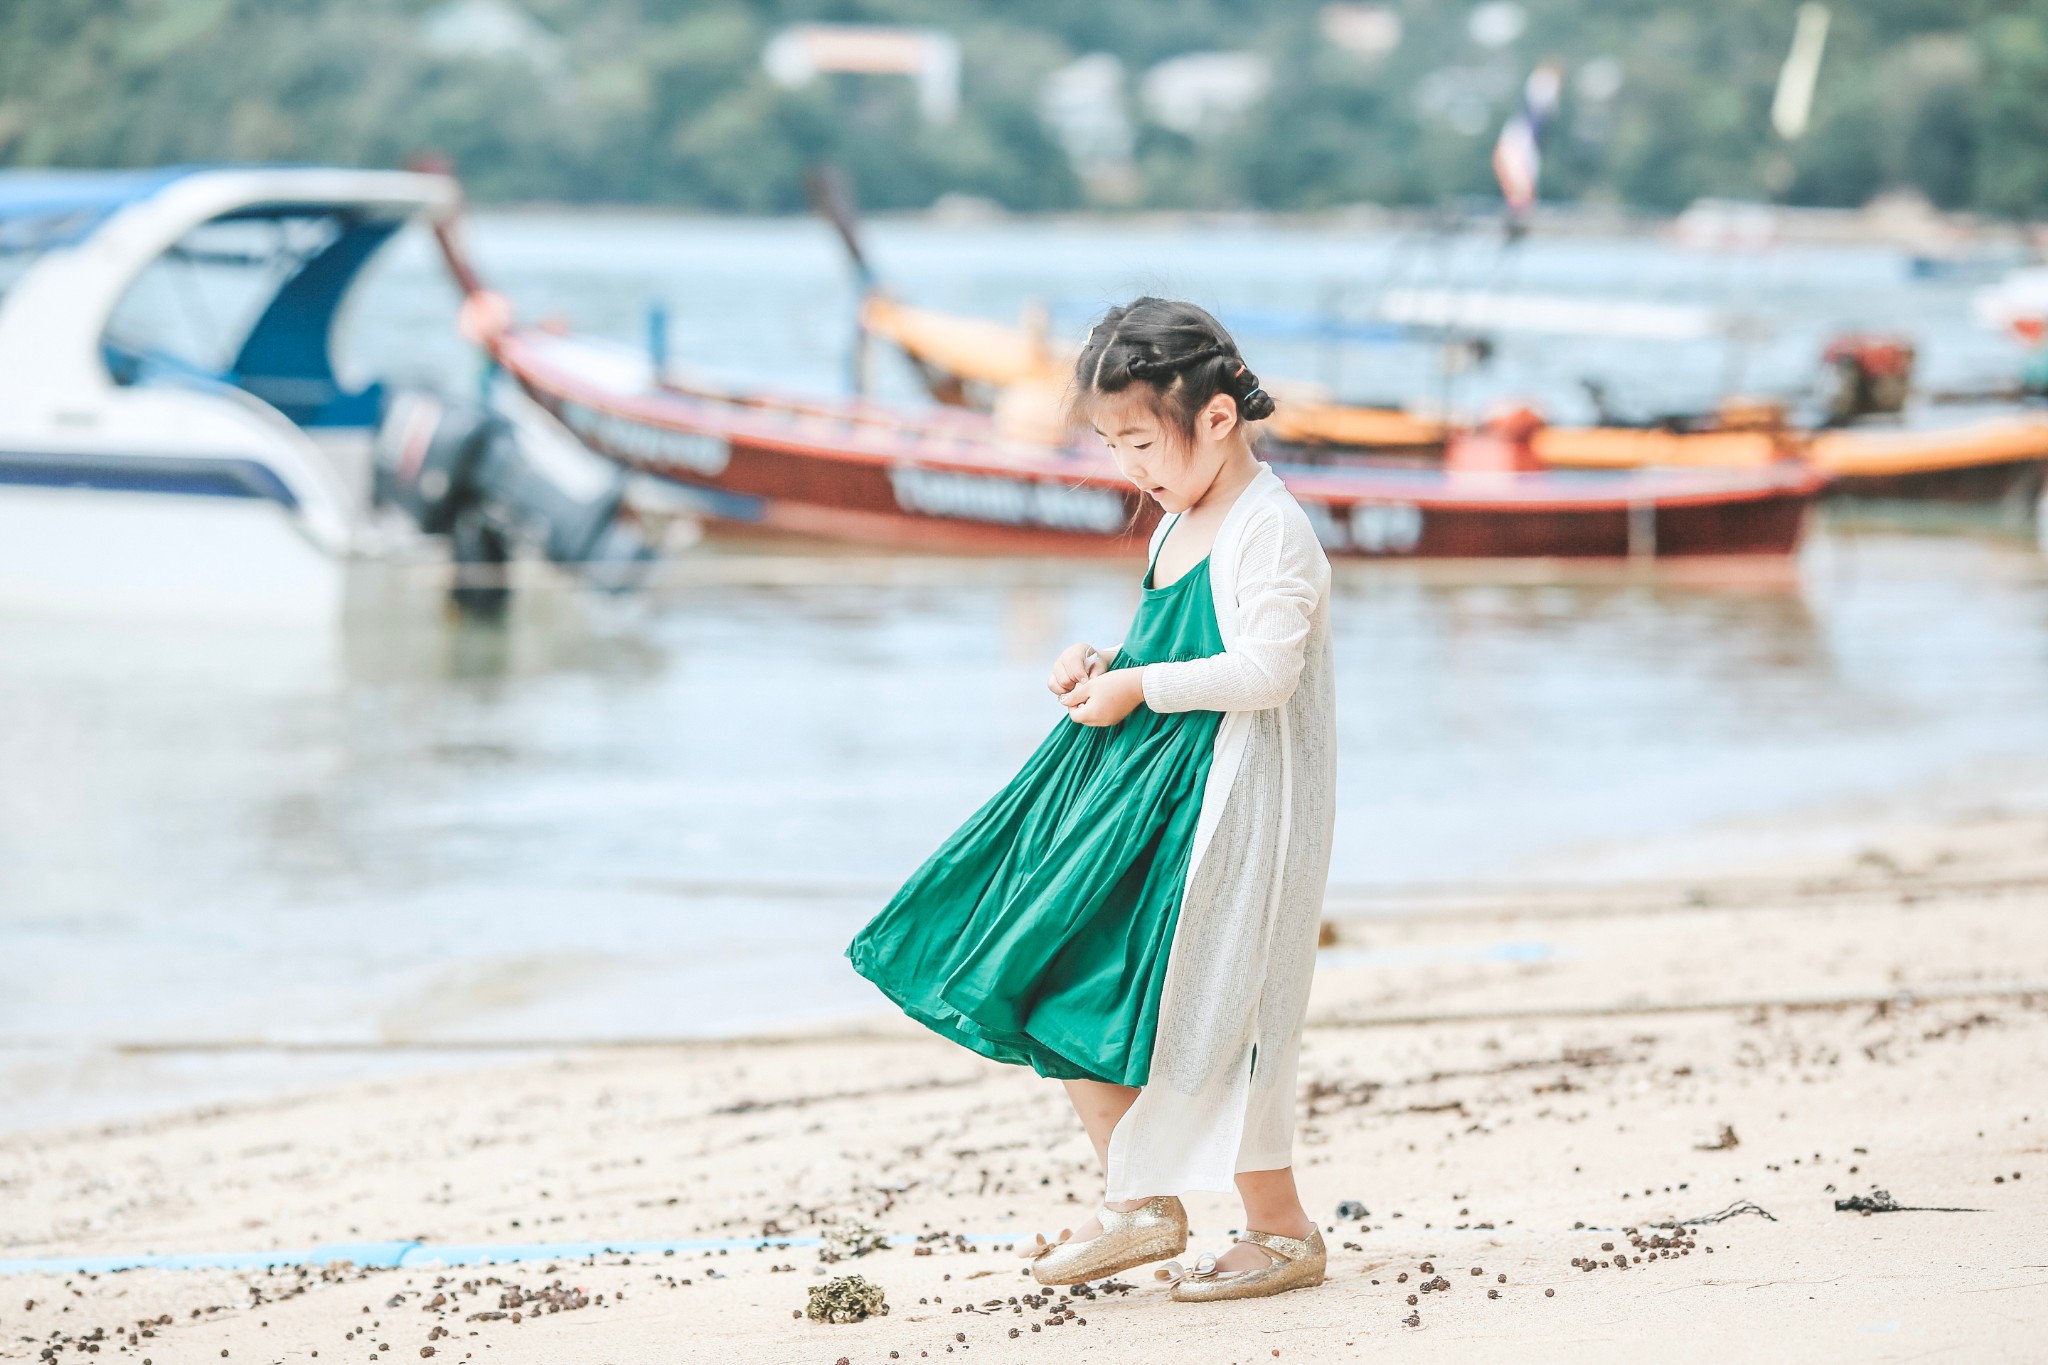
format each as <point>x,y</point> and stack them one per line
<point>44,209</point>
<point>305,234</point>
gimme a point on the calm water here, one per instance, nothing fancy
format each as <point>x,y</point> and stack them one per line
<point>665,815</point>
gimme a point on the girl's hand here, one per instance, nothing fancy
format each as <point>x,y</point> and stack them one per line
<point>1105,698</point>
<point>1076,662</point>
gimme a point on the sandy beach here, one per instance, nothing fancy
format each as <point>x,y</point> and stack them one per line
<point>1542,1099</point>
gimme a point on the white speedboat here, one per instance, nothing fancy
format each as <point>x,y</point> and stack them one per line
<point>139,480</point>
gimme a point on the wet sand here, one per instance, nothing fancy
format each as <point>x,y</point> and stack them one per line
<point>1507,1082</point>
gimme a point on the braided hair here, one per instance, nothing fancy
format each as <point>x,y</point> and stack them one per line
<point>1176,350</point>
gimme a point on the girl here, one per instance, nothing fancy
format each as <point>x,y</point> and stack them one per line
<point>1136,913</point>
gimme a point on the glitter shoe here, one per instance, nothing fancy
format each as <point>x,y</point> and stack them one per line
<point>1153,1231</point>
<point>1297,1263</point>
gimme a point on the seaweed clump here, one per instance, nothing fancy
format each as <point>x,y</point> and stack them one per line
<point>849,1238</point>
<point>849,1298</point>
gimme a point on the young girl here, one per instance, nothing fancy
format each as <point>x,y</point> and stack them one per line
<point>1136,913</point>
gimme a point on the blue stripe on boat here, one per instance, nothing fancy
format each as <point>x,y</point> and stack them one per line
<point>199,476</point>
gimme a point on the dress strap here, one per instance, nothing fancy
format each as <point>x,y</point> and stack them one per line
<point>1153,567</point>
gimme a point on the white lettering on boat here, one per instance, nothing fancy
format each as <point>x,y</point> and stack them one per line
<point>1380,528</point>
<point>1014,502</point>
<point>622,436</point>
<point>1373,528</point>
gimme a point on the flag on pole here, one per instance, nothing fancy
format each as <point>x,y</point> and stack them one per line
<point>1518,152</point>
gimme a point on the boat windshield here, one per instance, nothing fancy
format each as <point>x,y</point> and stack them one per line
<point>250,300</point>
<point>24,239</point>
<point>195,305</point>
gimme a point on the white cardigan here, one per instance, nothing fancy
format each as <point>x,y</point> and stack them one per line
<point>1220,1097</point>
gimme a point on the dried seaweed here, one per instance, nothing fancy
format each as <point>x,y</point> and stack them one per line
<point>1881,1201</point>
<point>1734,1210</point>
<point>849,1298</point>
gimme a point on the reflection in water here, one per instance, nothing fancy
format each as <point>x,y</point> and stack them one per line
<point>665,814</point>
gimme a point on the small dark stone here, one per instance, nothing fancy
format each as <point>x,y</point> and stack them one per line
<point>1428,1268</point>
<point>1411,1300</point>
<point>1503,1279</point>
<point>1550,1293</point>
<point>1477,1271</point>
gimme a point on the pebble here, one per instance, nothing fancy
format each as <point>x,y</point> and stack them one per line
<point>1550,1293</point>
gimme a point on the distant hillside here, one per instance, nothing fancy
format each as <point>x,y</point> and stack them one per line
<point>668,101</point>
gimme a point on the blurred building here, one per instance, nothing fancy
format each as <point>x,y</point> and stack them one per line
<point>1083,104</point>
<point>930,58</point>
<point>491,29</point>
<point>1201,93</point>
<point>1369,31</point>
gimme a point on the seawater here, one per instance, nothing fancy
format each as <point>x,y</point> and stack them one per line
<point>664,814</point>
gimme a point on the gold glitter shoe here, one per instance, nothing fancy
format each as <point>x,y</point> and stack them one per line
<point>1298,1263</point>
<point>1153,1231</point>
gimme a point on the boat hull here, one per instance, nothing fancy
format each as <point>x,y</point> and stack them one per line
<point>158,556</point>
<point>2005,481</point>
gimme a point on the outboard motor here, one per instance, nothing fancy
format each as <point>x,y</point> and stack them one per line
<point>493,478</point>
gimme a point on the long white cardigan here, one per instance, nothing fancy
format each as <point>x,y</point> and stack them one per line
<point>1220,1098</point>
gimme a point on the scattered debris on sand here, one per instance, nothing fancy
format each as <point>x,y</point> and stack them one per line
<point>1734,1210</point>
<point>849,1298</point>
<point>850,1238</point>
<point>1724,1141</point>
<point>1881,1201</point>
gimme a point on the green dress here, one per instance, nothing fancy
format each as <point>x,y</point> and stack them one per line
<point>1039,933</point>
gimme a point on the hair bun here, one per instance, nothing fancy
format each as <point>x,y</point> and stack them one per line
<point>1254,404</point>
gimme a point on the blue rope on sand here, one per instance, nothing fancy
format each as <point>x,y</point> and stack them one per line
<point>406,1255</point>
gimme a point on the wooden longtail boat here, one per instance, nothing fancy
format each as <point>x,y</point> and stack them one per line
<point>1021,374</point>
<point>1992,459</point>
<point>948,480</point>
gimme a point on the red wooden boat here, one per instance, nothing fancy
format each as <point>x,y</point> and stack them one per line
<point>944,480</point>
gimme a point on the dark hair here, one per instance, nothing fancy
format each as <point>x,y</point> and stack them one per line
<point>1176,350</point>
